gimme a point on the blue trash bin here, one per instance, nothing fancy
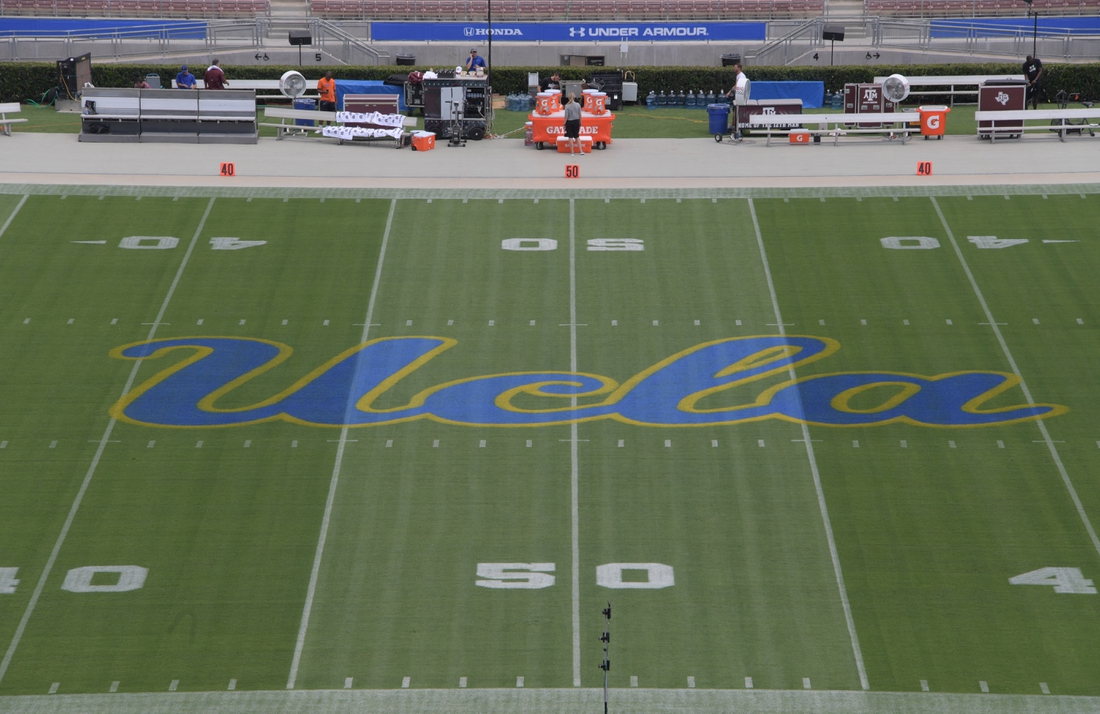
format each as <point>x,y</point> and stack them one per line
<point>719,118</point>
<point>308,105</point>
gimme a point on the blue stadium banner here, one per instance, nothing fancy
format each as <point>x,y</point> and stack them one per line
<point>569,31</point>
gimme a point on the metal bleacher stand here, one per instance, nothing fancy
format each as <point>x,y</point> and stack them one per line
<point>1054,120</point>
<point>952,86</point>
<point>264,88</point>
<point>166,115</point>
<point>837,125</point>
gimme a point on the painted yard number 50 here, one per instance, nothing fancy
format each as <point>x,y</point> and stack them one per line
<point>535,576</point>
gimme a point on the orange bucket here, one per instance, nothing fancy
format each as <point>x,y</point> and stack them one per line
<point>544,104</point>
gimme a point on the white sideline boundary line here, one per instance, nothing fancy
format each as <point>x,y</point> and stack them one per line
<point>1023,385</point>
<point>98,453</point>
<point>833,553</point>
<point>574,478</point>
<point>14,213</point>
<point>548,701</point>
<point>315,573</point>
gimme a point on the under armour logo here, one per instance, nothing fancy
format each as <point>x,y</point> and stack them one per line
<point>576,32</point>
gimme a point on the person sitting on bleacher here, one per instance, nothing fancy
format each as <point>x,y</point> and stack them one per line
<point>185,80</point>
<point>214,77</point>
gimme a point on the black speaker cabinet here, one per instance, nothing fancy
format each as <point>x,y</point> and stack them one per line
<point>833,32</point>
<point>300,37</point>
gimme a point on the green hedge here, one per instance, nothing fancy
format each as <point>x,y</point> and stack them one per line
<point>30,80</point>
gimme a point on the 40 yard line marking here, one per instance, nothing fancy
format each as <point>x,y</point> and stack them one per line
<point>315,573</point>
<point>1023,385</point>
<point>98,452</point>
<point>833,553</point>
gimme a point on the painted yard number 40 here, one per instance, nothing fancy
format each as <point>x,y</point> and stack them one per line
<point>1063,580</point>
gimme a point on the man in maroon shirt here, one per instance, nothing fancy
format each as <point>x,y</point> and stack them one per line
<point>214,77</point>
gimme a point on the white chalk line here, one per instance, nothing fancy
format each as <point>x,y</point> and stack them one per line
<point>833,553</point>
<point>311,590</point>
<point>21,628</point>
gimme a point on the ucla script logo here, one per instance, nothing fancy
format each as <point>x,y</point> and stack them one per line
<point>687,389</point>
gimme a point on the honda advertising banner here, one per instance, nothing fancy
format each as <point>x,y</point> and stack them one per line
<point>568,31</point>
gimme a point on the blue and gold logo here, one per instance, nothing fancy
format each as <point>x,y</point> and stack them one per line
<point>691,388</point>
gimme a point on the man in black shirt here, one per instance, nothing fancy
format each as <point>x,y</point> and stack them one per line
<point>1033,70</point>
<point>551,82</point>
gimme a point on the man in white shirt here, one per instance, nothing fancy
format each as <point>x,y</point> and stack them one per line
<point>737,96</point>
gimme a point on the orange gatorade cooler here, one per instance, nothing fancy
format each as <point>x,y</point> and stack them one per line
<point>544,103</point>
<point>555,99</point>
<point>933,120</point>
<point>423,141</point>
<point>800,136</point>
<point>599,103</point>
<point>589,103</point>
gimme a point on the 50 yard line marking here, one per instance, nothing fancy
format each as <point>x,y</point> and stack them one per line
<point>314,574</point>
<point>98,453</point>
<point>573,457</point>
<point>833,553</point>
<point>1023,385</point>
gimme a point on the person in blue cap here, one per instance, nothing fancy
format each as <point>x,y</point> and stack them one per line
<point>185,80</point>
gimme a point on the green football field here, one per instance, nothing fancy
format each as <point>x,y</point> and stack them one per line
<point>803,443</point>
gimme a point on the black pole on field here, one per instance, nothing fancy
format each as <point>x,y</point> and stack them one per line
<point>489,19</point>
<point>1035,33</point>
<point>832,46</point>
<point>605,638</point>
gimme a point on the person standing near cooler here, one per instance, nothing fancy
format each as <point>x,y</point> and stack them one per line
<point>185,80</point>
<point>474,61</point>
<point>736,96</point>
<point>573,126</point>
<point>326,87</point>
<point>214,77</point>
<point>1033,70</point>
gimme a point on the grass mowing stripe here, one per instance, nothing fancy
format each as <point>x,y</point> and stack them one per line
<point>856,651</point>
<point>311,591</point>
<point>574,457</point>
<point>98,453</point>
<point>13,214</point>
<point>1023,385</point>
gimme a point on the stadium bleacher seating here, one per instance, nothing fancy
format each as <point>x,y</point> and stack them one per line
<point>976,8</point>
<point>589,10</point>
<point>183,9</point>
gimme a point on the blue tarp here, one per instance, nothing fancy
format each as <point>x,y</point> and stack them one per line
<point>367,86</point>
<point>505,31</point>
<point>1000,26</point>
<point>54,27</point>
<point>812,94</point>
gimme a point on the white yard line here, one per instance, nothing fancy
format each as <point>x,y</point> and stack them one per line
<point>311,591</point>
<point>95,459</point>
<point>14,213</point>
<point>507,700</point>
<point>1023,385</point>
<point>575,467</point>
<point>856,651</point>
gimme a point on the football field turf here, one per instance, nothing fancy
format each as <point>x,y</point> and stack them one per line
<point>803,443</point>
